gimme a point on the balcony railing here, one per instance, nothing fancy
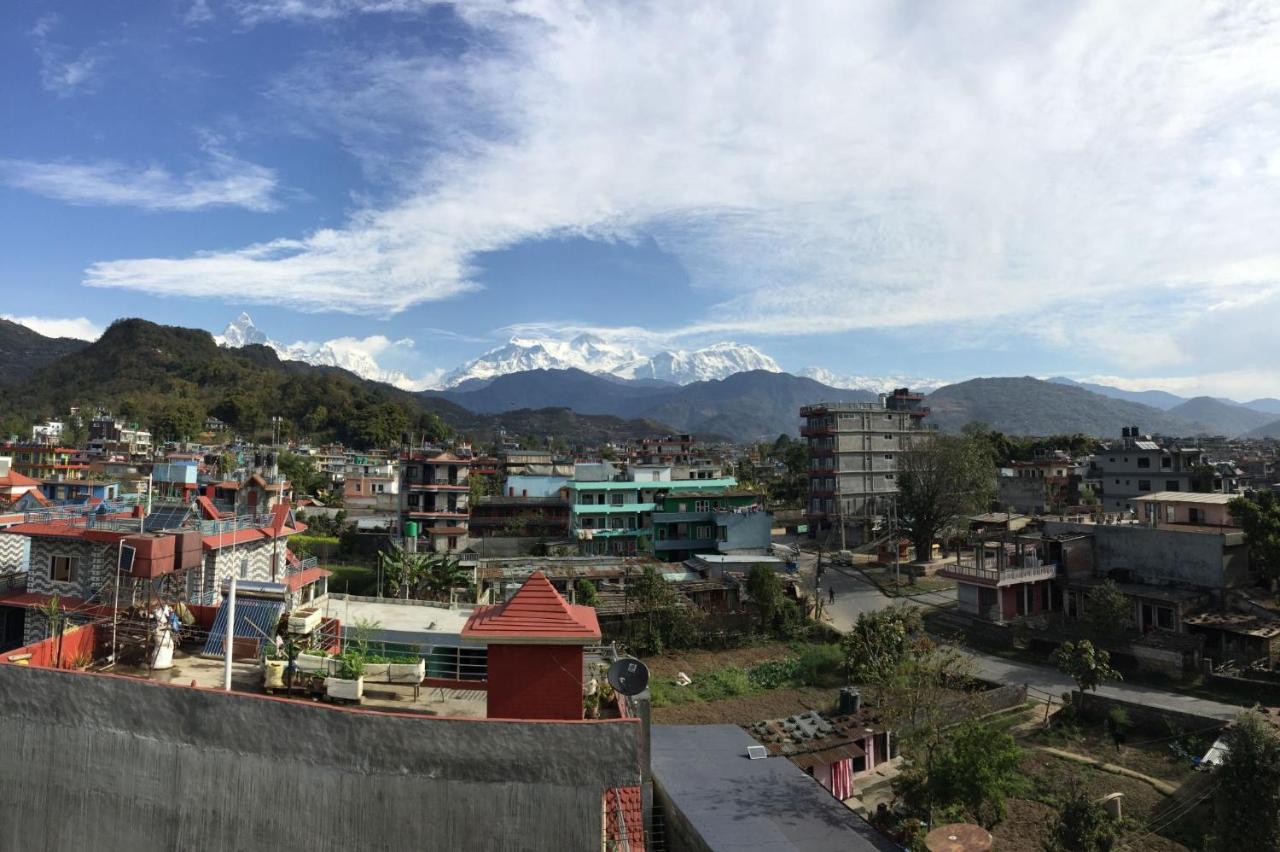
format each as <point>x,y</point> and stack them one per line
<point>684,544</point>
<point>967,569</point>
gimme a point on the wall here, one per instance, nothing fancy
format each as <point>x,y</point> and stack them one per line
<point>1161,555</point>
<point>120,765</point>
<point>14,553</point>
<point>534,486</point>
<point>750,532</point>
<point>1021,494</point>
<point>535,682</point>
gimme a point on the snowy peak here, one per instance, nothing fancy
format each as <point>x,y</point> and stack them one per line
<point>879,384</point>
<point>349,353</point>
<point>593,354</point>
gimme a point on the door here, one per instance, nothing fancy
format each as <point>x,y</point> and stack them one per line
<point>1148,618</point>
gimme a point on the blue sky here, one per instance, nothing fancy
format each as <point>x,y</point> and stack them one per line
<point>931,190</point>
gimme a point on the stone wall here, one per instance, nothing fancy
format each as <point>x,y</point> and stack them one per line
<point>111,763</point>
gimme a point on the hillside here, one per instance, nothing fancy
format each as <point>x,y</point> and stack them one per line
<point>22,351</point>
<point>1162,400</point>
<point>748,406</point>
<point>171,378</point>
<point>583,392</point>
<point>1220,418</point>
<point>1027,406</point>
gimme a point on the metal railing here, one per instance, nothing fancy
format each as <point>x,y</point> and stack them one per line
<point>967,568</point>
<point>229,525</point>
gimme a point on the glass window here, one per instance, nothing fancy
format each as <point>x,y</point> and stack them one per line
<point>62,569</point>
<point>1144,484</point>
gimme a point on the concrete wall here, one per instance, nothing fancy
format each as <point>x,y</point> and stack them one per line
<point>1162,555</point>
<point>109,763</point>
<point>750,532</point>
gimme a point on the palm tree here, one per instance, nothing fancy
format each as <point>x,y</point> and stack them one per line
<point>402,568</point>
<point>443,574</point>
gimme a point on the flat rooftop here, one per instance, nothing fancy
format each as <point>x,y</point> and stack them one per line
<point>735,803</point>
<point>412,618</point>
<point>1195,497</point>
<point>246,677</point>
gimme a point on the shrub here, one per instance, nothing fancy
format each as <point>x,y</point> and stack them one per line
<point>728,682</point>
<point>773,673</point>
<point>819,665</point>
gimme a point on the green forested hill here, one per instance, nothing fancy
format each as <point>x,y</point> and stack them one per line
<point>171,378</point>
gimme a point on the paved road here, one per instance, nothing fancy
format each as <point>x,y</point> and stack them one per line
<point>855,594</point>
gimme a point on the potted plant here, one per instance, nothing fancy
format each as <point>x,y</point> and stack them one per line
<point>591,705</point>
<point>347,683</point>
<point>407,669</point>
<point>316,660</point>
<point>376,667</point>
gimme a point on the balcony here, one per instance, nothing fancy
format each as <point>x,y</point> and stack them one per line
<point>807,431</point>
<point>685,544</point>
<point>683,517</point>
<point>437,485</point>
<point>431,514</point>
<point>967,569</point>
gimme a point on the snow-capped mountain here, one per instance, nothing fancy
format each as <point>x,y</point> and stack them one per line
<point>592,354</point>
<point>349,353</point>
<point>879,384</point>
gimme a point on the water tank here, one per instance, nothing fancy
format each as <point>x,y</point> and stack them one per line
<point>410,529</point>
<point>850,700</point>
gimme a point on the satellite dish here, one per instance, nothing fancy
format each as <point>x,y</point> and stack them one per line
<point>629,676</point>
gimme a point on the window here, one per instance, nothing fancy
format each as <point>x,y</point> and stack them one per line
<point>888,437</point>
<point>888,456</point>
<point>616,499</point>
<point>703,532</point>
<point>1166,462</point>
<point>62,569</point>
<point>1172,485</point>
<point>1164,618</point>
<point>702,505</point>
<point>1144,484</point>
<point>1144,462</point>
<point>888,476</point>
<point>722,533</point>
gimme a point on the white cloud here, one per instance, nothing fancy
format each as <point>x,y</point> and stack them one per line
<point>80,328</point>
<point>826,167</point>
<point>63,71</point>
<point>259,11</point>
<point>224,181</point>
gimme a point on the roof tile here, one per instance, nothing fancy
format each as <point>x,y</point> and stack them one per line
<point>535,612</point>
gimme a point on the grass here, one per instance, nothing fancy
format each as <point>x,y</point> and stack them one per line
<point>352,579</point>
<point>901,586</point>
<point>807,665</point>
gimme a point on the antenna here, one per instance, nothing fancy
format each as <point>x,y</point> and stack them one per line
<point>629,676</point>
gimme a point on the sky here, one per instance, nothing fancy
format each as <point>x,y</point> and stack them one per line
<point>922,188</point>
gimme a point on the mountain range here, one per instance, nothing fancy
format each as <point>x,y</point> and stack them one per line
<point>146,370</point>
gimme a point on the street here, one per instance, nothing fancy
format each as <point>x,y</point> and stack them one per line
<point>855,595</point>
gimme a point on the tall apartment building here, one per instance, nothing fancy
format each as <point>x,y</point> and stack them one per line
<point>434,497</point>
<point>853,458</point>
<point>1137,465</point>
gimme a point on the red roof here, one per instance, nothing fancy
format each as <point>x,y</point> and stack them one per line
<point>13,479</point>
<point>302,578</point>
<point>31,599</point>
<point>535,614</point>
<point>623,807</point>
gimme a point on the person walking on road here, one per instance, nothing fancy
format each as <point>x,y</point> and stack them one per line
<point>831,594</point>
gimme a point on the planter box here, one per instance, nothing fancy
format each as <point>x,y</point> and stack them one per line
<point>316,663</point>
<point>347,690</point>
<point>376,671</point>
<point>304,620</point>
<point>407,672</point>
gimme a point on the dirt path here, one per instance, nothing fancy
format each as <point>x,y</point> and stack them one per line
<point>1162,786</point>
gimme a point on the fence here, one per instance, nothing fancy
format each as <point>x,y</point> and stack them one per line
<point>73,648</point>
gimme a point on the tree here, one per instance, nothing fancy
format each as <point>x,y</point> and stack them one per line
<point>1083,826</point>
<point>942,478</point>
<point>403,569</point>
<point>1089,667</point>
<point>975,769</point>
<point>1108,611</point>
<point>1247,796</point>
<point>879,640</point>
<point>587,595</point>
<point>1259,517</point>
<point>765,590</point>
<point>303,474</point>
<point>442,574</point>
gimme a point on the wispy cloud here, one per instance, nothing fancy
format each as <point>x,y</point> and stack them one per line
<point>223,181</point>
<point>77,327</point>
<point>63,70</point>
<point>827,167</point>
<point>258,11</point>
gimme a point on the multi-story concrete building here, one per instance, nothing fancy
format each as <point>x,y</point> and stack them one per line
<point>434,496</point>
<point>718,520</point>
<point>1138,465</point>
<point>853,458</point>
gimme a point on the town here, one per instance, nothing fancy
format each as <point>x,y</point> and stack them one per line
<point>895,630</point>
<point>619,426</point>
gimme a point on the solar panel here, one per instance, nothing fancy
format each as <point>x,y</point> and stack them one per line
<point>256,618</point>
<point>165,518</point>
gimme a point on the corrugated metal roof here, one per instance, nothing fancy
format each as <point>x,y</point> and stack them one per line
<point>536,612</point>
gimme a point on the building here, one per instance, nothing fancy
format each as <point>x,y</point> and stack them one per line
<point>1174,509</point>
<point>836,749</point>
<point>79,490</point>
<point>1137,465</point>
<point>520,517</point>
<point>371,483</point>
<point>713,797</point>
<point>614,515</point>
<point>49,432</point>
<point>434,497</point>
<point>1003,576</point>
<point>1049,482</point>
<point>722,520</point>
<point>853,458</point>
<point>13,484</point>
<point>109,436</point>
<point>175,480</point>
<point>40,461</point>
